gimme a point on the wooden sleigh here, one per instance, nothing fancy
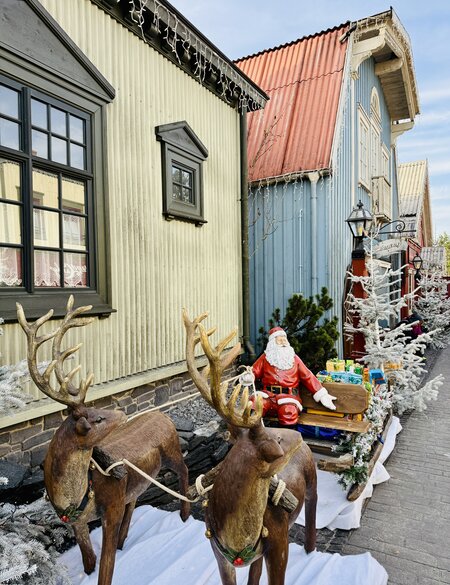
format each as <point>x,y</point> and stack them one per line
<point>352,401</point>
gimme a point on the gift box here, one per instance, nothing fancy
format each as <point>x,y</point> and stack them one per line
<point>346,377</point>
<point>393,365</point>
<point>335,365</point>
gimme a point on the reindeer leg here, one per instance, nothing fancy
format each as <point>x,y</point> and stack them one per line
<point>277,556</point>
<point>255,572</point>
<point>175,462</point>
<point>227,572</point>
<point>84,542</point>
<point>126,523</point>
<point>111,523</point>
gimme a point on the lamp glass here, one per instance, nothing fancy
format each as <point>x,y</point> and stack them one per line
<point>417,262</point>
<point>359,220</point>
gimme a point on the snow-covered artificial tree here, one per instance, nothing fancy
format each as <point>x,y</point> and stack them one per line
<point>389,349</point>
<point>29,534</point>
<point>433,305</point>
<point>371,316</point>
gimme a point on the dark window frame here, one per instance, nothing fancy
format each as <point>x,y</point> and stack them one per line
<point>36,300</point>
<point>181,147</point>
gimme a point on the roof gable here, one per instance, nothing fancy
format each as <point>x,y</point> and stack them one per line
<point>29,31</point>
<point>303,79</point>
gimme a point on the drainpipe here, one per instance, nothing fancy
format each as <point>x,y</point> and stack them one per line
<point>353,139</point>
<point>313,178</point>
<point>249,350</point>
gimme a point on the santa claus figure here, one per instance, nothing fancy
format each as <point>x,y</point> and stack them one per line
<point>280,372</point>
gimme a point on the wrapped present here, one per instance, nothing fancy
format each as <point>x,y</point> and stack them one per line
<point>358,369</point>
<point>335,365</point>
<point>393,365</point>
<point>349,366</point>
<point>377,376</point>
<point>346,377</point>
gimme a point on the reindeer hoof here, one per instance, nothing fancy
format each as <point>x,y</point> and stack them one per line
<point>89,566</point>
<point>185,514</point>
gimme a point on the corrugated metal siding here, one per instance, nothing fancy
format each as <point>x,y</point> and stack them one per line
<point>280,258</point>
<point>157,267</point>
<point>336,233</point>
<point>281,261</point>
<point>411,182</point>
<point>303,80</point>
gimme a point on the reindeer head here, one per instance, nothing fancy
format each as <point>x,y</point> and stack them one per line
<point>253,442</point>
<point>89,424</point>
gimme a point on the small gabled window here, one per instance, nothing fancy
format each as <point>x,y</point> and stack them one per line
<point>182,159</point>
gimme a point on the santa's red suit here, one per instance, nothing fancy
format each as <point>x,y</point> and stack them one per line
<point>279,388</point>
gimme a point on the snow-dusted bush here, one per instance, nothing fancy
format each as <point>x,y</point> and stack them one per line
<point>434,306</point>
<point>29,538</point>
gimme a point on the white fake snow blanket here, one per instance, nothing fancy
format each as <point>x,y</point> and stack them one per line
<point>333,508</point>
<point>161,550</point>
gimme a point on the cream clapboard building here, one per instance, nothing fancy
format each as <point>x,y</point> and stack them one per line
<point>120,170</point>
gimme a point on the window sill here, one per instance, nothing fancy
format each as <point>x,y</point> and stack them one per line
<point>365,187</point>
<point>170,216</point>
<point>36,305</point>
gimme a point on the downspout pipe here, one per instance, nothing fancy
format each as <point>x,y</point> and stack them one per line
<point>249,355</point>
<point>313,179</point>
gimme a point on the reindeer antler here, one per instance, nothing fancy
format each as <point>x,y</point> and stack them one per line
<point>68,393</point>
<point>215,394</point>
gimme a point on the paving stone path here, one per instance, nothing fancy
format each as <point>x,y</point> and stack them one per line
<point>406,523</point>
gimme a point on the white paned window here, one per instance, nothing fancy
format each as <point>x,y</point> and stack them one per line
<point>363,128</point>
<point>385,163</point>
<point>375,149</point>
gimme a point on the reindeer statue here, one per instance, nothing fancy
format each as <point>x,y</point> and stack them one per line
<point>78,491</point>
<point>243,527</point>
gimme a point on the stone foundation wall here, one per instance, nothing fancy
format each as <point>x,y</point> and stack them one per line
<point>26,443</point>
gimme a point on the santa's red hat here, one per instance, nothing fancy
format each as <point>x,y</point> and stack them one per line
<point>276,332</point>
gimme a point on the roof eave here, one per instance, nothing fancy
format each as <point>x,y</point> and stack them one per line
<point>384,38</point>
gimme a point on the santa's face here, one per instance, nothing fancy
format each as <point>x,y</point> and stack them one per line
<point>279,353</point>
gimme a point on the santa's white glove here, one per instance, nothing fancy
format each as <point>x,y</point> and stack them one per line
<point>324,398</point>
<point>247,378</point>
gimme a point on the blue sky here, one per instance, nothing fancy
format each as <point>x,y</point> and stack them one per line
<point>240,28</point>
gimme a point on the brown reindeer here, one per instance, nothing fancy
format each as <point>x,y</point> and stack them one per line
<point>80,493</point>
<point>244,528</point>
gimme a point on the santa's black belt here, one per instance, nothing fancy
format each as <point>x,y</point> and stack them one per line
<point>279,390</point>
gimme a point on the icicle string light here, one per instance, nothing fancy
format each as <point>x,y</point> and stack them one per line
<point>206,63</point>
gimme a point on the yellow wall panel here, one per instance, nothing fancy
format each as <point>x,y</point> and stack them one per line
<point>157,266</point>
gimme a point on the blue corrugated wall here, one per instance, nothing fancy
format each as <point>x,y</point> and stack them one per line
<point>280,219</point>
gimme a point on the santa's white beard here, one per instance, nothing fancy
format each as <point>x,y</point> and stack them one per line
<point>278,356</point>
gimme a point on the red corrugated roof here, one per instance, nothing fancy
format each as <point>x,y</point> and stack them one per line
<point>303,79</point>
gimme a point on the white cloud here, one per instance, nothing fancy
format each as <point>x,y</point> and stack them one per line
<point>436,94</point>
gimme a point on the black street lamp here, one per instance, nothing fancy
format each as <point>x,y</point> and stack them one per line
<point>417,263</point>
<point>359,221</point>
